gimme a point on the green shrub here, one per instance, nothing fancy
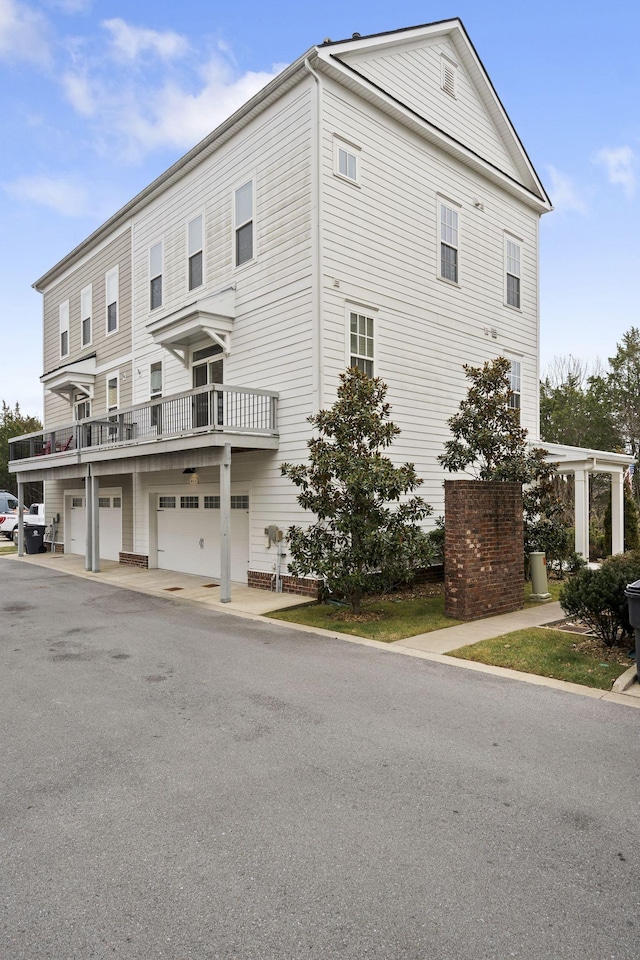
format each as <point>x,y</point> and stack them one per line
<point>597,597</point>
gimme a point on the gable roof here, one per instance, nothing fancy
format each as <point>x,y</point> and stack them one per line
<point>341,59</point>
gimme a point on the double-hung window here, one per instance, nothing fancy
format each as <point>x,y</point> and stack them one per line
<point>515,383</point>
<point>155,276</point>
<point>361,342</point>
<point>346,161</point>
<point>243,216</point>
<point>448,242</point>
<point>195,231</point>
<point>86,310</point>
<point>63,321</point>
<point>111,285</point>
<point>512,272</point>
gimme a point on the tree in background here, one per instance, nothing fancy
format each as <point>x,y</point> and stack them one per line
<point>575,407</point>
<point>623,395</point>
<point>13,423</point>
<point>366,536</point>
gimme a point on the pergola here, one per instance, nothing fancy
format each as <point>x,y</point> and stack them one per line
<point>582,464</point>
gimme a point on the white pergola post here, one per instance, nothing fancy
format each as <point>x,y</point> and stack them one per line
<point>225,525</point>
<point>88,510</point>
<point>617,513</point>
<point>582,512</point>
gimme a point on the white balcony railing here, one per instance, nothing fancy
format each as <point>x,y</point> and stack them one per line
<point>213,408</point>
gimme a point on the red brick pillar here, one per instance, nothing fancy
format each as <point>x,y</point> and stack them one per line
<point>483,548</point>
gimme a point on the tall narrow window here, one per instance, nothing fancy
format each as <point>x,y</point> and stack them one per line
<point>515,384</point>
<point>449,239</point>
<point>155,276</point>
<point>155,392</point>
<point>361,342</point>
<point>112,393</point>
<point>195,252</point>
<point>86,309</point>
<point>64,328</point>
<point>512,269</point>
<point>111,284</point>
<point>243,220</point>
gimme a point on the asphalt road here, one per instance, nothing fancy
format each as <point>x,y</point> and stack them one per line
<point>184,784</point>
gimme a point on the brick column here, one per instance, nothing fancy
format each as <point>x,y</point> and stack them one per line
<point>483,548</point>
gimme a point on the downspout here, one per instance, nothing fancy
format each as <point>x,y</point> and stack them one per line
<point>316,246</point>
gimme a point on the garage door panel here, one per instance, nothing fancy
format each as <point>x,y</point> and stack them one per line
<point>189,534</point>
<point>110,524</point>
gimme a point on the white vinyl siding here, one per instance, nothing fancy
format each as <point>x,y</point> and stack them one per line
<point>195,243</point>
<point>63,326</point>
<point>111,288</point>
<point>243,213</point>
<point>448,242</point>
<point>512,260</point>
<point>86,310</point>
<point>361,343</point>
<point>155,276</point>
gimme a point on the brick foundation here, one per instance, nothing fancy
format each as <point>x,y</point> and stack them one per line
<point>134,560</point>
<point>484,548</point>
<point>266,581</point>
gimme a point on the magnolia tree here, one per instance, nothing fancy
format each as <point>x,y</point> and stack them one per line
<point>367,535</point>
<point>489,443</point>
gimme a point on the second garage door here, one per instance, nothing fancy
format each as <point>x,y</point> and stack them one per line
<point>189,534</point>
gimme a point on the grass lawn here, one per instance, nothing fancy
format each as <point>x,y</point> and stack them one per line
<point>389,619</point>
<point>551,653</point>
<point>6,547</point>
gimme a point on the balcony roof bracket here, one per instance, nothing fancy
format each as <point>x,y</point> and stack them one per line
<point>222,340</point>
<point>180,354</point>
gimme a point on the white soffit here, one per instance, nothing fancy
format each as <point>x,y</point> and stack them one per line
<point>79,376</point>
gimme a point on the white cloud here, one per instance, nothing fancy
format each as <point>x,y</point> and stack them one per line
<point>24,34</point>
<point>129,42</point>
<point>79,93</point>
<point>62,194</point>
<point>70,6</point>
<point>621,164</point>
<point>564,195</point>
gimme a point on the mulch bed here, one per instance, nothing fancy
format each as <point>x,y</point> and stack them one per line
<point>593,645</point>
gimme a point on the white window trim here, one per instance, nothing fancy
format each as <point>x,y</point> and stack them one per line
<point>510,237</point>
<point>113,375</point>
<point>341,143</point>
<point>441,200</point>
<point>114,272</point>
<point>446,64</point>
<point>89,291</point>
<point>367,311</point>
<point>236,226</point>
<point>161,274</point>
<point>195,215</point>
<point>63,327</point>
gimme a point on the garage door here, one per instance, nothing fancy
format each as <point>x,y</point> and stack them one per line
<point>189,534</point>
<point>110,520</point>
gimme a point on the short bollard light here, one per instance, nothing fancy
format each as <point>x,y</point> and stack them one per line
<point>538,568</point>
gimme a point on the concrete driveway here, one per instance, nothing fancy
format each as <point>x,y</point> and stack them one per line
<point>180,783</point>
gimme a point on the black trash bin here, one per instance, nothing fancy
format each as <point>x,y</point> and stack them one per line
<point>34,537</point>
<point>632,593</point>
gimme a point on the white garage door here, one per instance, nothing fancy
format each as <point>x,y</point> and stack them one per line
<point>189,534</point>
<point>110,520</point>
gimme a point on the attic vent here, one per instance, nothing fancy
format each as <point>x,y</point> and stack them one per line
<point>449,71</point>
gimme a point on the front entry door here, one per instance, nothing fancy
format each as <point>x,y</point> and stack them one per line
<point>207,368</point>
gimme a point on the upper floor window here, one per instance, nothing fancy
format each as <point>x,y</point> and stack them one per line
<point>346,161</point>
<point>448,76</point>
<point>82,406</point>
<point>512,272</point>
<point>515,384</point>
<point>64,328</point>
<point>111,284</point>
<point>155,379</point>
<point>448,242</point>
<point>112,392</point>
<point>361,342</point>
<point>243,223</point>
<point>155,276</point>
<point>195,252</point>
<point>86,310</point>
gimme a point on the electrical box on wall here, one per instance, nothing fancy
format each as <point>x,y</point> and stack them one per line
<point>273,534</point>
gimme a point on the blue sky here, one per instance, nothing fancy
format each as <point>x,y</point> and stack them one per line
<point>98,98</point>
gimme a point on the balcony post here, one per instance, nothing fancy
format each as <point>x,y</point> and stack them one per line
<point>95,524</point>
<point>88,509</point>
<point>225,525</point>
<point>20,517</point>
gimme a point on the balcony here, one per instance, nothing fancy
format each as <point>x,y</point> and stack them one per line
<point>207,416</point>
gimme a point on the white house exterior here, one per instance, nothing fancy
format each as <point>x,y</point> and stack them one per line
<point>372,205</point>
